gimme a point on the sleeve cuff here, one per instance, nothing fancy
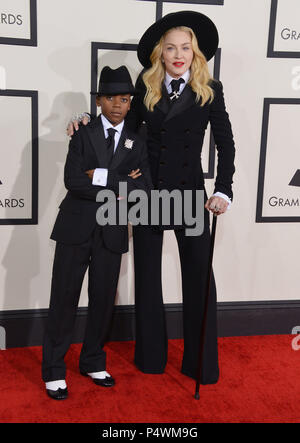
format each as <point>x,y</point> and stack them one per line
<point>100,177</point>
<point>220,194</point>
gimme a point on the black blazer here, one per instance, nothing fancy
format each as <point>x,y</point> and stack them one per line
<point>175,133</point>
<point>88,150</point>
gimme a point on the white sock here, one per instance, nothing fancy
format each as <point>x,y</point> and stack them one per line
<point>101,374</point>
<point>56,384</point>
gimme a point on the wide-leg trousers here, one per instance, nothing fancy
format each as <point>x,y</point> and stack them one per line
<point>151,337</point>
<point>69,267</point>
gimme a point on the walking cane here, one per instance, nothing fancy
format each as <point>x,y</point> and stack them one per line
<point>203,328</point>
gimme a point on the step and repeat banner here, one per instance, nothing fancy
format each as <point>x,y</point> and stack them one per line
<point>52,53</point>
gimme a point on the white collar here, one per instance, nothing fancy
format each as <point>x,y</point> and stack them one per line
<point>106,124</point>
<point>185,76</point>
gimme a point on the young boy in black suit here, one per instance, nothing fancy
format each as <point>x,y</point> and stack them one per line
<point>100,156</point>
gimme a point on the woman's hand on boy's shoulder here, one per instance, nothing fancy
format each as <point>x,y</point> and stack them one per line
<point>90,173</point>
<point>77,120</point>
<point>135,173</point>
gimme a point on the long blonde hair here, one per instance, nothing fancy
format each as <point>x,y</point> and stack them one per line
<point>199,73</point>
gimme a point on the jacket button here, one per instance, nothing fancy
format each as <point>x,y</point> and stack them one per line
<point>163,131</point>
<point>185,165</point>
<point>186,147</point>
<point>183,182</point>
<point>163,147</point>
<point>187,131</point>
<point>162,163</point>
<point>161,180</point>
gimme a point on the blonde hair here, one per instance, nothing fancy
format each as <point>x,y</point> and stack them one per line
<point>199,73</point>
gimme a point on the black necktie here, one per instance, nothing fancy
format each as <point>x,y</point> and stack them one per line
<point>110,144</point>
<point>175,88</point>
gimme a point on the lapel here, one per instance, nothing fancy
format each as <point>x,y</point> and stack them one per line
<point>164,103</point>
<point>185,100</point>
<point>95,132</point>
<point>121,152</point>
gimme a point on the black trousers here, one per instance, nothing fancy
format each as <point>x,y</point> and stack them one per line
<point>69,267</point>
<point>151,337</point>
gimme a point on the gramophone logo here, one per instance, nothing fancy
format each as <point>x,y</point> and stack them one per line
<point>296,179</point>
<point>278,197</point>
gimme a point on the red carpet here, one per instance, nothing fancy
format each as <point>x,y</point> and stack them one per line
<point>259,382</point>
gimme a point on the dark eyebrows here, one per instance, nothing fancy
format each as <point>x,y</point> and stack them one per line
<point>182,44</point>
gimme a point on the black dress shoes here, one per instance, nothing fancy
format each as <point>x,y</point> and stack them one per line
<point>106,382</point>
<point>59,394</point>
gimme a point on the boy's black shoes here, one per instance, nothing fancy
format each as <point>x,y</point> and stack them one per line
<point>59,394</point>
<point>106,382</point>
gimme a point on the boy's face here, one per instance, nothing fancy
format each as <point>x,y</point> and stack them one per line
<point>114,107</point>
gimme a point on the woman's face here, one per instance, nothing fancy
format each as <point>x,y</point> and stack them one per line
<point>177,53</point>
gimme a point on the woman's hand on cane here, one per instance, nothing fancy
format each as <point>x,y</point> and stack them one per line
<point>217,205</point>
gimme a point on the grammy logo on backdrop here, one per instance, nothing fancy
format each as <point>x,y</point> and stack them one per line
<point>284,33</point>
<point>18,22</point>
<point>296,179</point>
<point>278,196</point>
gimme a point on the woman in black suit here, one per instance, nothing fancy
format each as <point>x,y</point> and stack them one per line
<point>176,113</point>
<point>177,98</point>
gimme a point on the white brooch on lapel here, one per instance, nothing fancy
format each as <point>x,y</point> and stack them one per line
<point>128,143</point>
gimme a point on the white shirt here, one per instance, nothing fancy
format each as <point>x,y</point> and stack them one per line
<point>168,79</point>
<point>100,174</point>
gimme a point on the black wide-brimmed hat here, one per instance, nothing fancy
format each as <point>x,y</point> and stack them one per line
<point>204,29</point>
<point>115,82</point>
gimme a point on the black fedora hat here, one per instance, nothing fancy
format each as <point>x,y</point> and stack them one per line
<point>204,29</point>
<point>115,82</point>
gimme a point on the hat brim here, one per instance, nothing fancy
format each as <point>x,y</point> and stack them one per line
<point>203,27</point>
<point>114,89</point>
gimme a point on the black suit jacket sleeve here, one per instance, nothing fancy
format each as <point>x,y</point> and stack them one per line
<point>75,178</point>
<point>143,182</point>
<point>222,132</point>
